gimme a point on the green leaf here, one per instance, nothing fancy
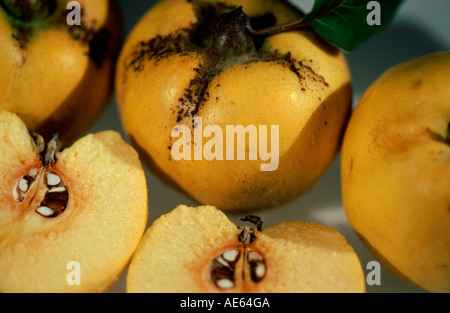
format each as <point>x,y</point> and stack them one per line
<point>347,23</point>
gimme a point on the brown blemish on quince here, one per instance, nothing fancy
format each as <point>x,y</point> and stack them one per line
<point>417,83</point>
<point>190,41</point>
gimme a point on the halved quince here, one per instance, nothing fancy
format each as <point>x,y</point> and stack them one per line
<point>198,249</point>
<point>70,220</point>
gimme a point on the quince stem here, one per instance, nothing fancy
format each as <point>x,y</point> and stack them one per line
<point>226,36</point>
<point>277,29</point>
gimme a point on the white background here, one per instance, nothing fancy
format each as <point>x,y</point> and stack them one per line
<point>420,27</point>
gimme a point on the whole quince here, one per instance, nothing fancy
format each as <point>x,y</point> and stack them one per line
<point>237,121</point>
<point>57,62</point>
<point>396,171</point>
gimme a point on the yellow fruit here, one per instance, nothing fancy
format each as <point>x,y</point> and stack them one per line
<point>192,64</point>
<point>198,249</point>
<point>396,171</point>
<point>56,76</point>
<point>70,220</point>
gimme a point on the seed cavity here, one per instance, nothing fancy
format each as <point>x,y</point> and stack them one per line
<point>24,184</point>
<point>56,196</point>
<point>223,269</point>
<point>257,266</point>
<point>56,199</point>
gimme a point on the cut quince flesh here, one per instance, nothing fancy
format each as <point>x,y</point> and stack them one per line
<point>198,249</point>
<point>84,205</point>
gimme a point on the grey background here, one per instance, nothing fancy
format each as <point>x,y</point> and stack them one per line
<point>421,27</point>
